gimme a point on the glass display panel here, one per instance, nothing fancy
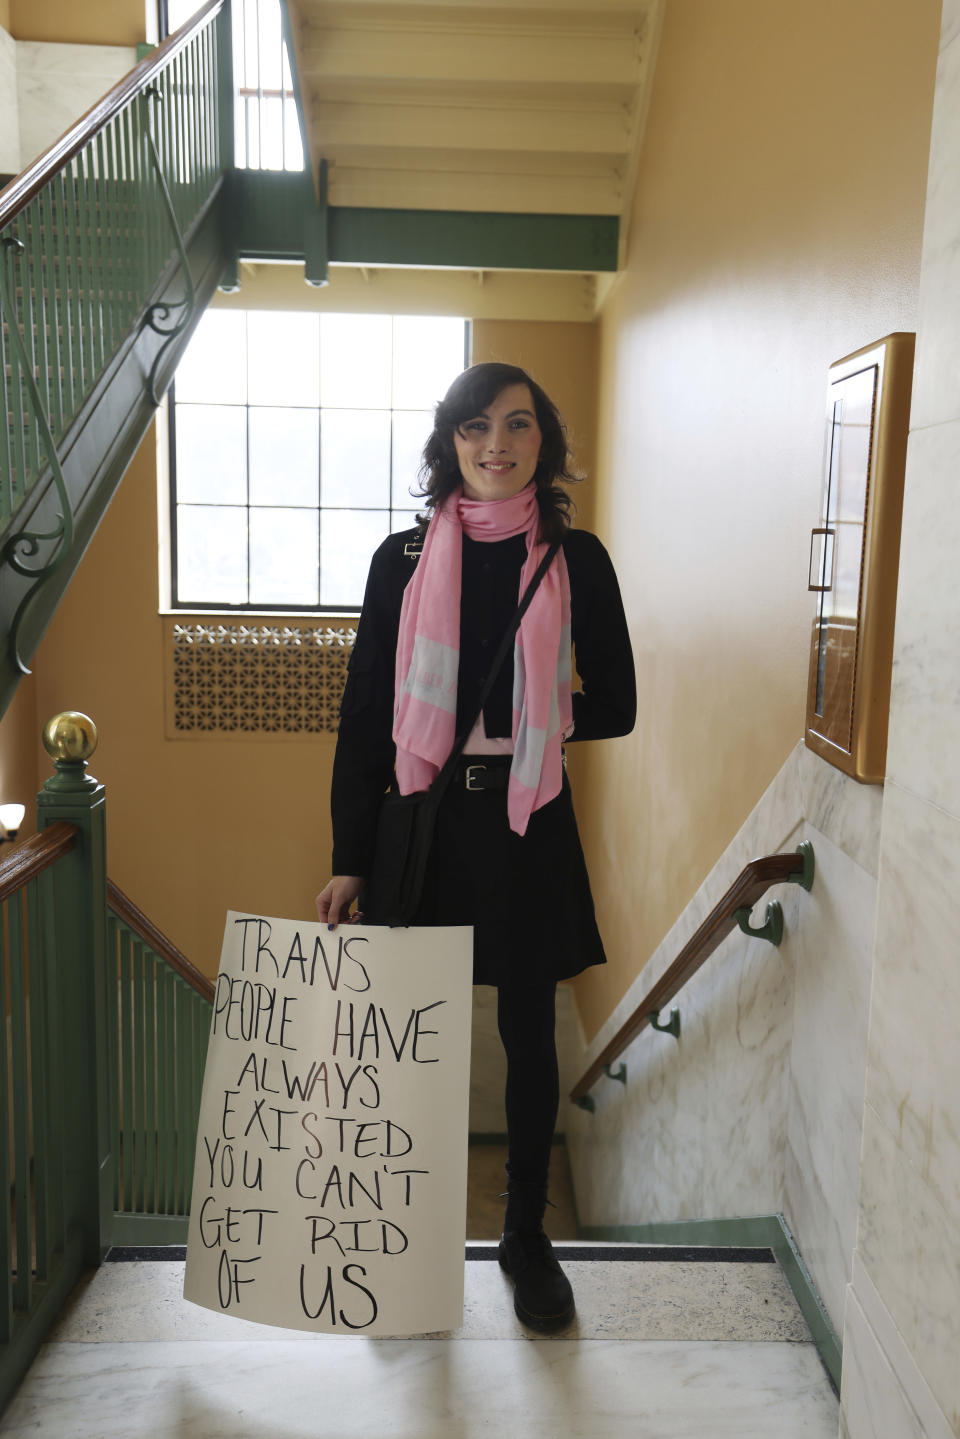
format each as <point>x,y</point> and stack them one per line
<point>348,539</point>
<point>212,454</point>
<point>283,556</point>
<point>284,364</point>
<point>284,456</point>
<point>212,554</point>
<point>213,367</point>
<point>428,354</point>
<point>355,360</point>
<point>355,458</point>
<point>403,520</point>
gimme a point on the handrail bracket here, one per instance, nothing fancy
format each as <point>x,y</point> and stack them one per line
<point>805,848</point>
<point>772,927</point>
<point>672,1025</point>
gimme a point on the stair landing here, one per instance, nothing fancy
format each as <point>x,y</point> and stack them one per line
<point>664,1345</point>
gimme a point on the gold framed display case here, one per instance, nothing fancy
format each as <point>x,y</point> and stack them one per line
<point>854,556</point>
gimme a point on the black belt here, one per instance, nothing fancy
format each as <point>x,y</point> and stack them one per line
<point>492,772</point>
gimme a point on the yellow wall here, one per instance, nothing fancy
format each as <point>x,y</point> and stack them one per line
<point>94,22</point>
<point>193,827</point>
<point>562,357</point>
<point>776,228</point>
<point>5,15</point>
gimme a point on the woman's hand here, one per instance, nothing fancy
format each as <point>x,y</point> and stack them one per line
<point>333,902</point>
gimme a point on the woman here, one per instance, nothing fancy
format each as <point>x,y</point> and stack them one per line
<point>507,856</point>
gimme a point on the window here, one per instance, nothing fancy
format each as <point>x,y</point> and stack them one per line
<point>295,444</point>
<point>266,127</point>
<point>266,124</point>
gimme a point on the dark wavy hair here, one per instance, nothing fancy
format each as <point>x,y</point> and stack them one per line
<point>469,396</point>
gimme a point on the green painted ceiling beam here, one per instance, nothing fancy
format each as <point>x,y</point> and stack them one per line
<point>275,215</point>
<point>473,240</point>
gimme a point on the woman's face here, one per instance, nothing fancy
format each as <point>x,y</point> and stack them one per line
<point>498,449</point>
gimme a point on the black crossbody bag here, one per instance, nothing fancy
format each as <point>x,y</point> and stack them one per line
<point>391,892</point>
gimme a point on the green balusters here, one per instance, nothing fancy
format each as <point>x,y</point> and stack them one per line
<point>112,968</point>
<point>39,1077</point>
<point>161,1026</point>
<point>166,1155</point>
<point>81,883</point>
<point>7,363</point>
<point>84,256</point>
<point>46,977</point>
<point>14,252</point>
<point>51,321</point>
<point>20,1094</point>
<point>128,1129</point>
<point>36,327</point>
<point>6,1227</point>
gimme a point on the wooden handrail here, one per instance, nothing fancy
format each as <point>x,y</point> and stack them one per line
<point>22,189</point>
<point>25,861</point>
<point>746,889</point>
<point>135,919</point>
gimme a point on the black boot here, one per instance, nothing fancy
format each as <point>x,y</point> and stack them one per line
<point>542,1296</point>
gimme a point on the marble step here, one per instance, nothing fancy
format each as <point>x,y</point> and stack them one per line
<point>130,1357</point>
<point>639,1292</point>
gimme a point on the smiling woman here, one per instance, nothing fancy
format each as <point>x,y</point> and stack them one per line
<point>506,857</point>
<point>499,450</point>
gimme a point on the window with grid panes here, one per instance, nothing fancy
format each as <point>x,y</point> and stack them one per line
<point>266,124</point>
<point>295,446</point>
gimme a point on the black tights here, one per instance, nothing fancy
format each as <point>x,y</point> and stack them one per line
<point>527,1022</point>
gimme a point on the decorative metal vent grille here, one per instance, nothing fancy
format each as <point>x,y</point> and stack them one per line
<point>258,679</point>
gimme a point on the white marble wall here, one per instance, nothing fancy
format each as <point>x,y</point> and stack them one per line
<point>9,114</point>
<point>56,84</point>
<point>907,1270</point>
<point>832,945</point>
<point>758,1108</point>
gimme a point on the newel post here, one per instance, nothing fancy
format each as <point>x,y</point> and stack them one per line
<point>80,937</point>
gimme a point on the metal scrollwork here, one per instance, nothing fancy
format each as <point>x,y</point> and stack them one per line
<point>28,542</point>
<point>158,314</point>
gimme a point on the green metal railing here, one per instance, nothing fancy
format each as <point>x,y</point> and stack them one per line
<point>89,237</point>
<point>54,1155</point>
<point>33,1228</point>
<point>102,1048</point>
<point>158,1021</point>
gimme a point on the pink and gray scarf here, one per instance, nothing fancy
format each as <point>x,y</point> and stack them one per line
<point>428,655</point>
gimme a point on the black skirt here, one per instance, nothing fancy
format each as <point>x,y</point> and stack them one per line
<point>527,896</point>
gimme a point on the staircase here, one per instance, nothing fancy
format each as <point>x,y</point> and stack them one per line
<point>666,1343</point>
<point>111,245</point>
<point>110,248</point>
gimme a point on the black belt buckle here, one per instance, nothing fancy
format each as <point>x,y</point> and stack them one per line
<point>468,777</point>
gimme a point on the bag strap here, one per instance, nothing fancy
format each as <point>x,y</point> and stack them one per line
<point>446,774</point>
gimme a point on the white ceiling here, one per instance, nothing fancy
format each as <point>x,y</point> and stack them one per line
<point>532,108</point>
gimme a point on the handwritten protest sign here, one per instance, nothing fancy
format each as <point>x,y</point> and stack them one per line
<point>329,1187</point>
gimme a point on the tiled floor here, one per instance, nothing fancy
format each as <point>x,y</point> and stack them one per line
<point>660,1349</point>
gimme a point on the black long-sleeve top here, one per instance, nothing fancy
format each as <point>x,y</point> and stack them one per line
<point>605,706</point>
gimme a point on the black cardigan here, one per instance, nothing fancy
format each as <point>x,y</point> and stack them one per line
<point>605,706</point>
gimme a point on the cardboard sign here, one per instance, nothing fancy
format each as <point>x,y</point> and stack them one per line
<point>329,1188</point>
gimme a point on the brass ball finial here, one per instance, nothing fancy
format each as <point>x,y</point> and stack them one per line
<point>70,736</point>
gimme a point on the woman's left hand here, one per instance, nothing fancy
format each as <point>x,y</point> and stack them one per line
<point>335,899</point>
